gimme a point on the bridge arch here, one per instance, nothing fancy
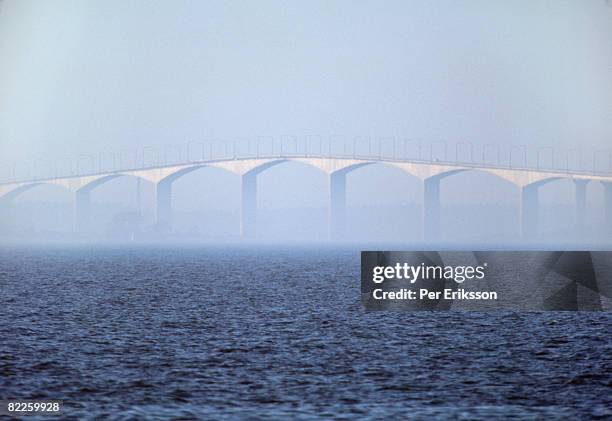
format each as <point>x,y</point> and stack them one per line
<point>501,175</point>
<point>356,166</point>
<point>285,201</point>
<point>84,208</point>
<point>202,199</point>
<point>380,201</point>
<point>11,194</point>
<point>464,223</point>
<point>173,176</point>
<point>479,171</point>
<point>96,182</point>
<point>349,169</point>
<point>37,207</point>
<point>544,181</point>
<point>266,165</point>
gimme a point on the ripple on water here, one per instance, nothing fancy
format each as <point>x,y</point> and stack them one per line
<point>234,333</point>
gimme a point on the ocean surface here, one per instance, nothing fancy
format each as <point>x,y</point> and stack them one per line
<point>198,332</point>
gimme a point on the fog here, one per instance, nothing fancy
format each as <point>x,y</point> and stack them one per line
<point>84,77</point>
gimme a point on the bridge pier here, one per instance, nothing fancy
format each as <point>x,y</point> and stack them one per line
<point>81,211</point>
<point>608,206</point>
<point>530,217</point>
<point>337,205</point>
<point>431,208</point>
<point>581,193</point>
<point>248,205</point>
<point>163,204</point>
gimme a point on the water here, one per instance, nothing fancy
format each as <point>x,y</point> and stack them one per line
<point>198,332</point>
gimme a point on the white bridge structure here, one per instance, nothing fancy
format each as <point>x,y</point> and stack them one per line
<point>89,173</point>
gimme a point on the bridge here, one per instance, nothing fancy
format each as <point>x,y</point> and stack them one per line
<point>335,160</point>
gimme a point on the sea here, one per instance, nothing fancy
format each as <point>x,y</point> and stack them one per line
<point>182,332</point>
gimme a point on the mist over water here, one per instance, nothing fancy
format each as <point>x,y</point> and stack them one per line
<point>32,220</point>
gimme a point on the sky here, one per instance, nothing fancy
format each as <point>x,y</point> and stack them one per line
<point>88,76</point>
<point>84,77</point>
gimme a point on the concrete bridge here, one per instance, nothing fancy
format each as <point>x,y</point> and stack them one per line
<point>431,172</point>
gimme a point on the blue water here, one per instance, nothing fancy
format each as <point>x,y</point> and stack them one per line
<point>234,333</point>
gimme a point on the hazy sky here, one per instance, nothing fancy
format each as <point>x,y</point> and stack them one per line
<point>86,76</point>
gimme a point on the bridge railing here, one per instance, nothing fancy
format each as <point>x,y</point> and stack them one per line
<point>463,153</point>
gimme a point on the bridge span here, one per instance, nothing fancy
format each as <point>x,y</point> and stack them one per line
<point>430,172</point>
